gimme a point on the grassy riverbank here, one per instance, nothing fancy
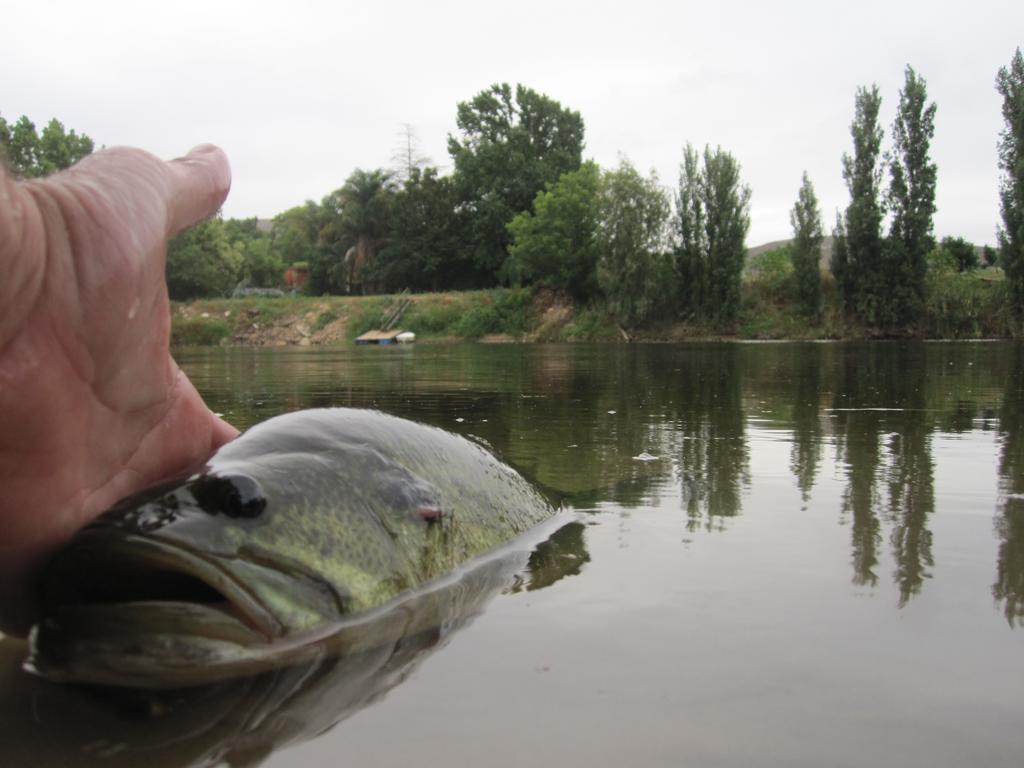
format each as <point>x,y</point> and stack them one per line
<point>960,306</point>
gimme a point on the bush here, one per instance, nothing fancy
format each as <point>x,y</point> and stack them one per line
<point>199,331</point>
<point>772,274</point>
<point>960,306</point>
<point>324,319</point>
<point>508,314</point>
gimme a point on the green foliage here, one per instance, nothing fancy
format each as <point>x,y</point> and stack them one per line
<point>958,305</point>
<point>202,262</point>
<point>424,250</point>
<point>507,151</point>
<point>365,224</point>
<point>713,219</point>
<point>365,316</point>
<point>912,201</point>
<point>259,265</point>
<point>435,317</point>
<point>633,269</point>
<point>961,253</point>
<point>806,252</point>
<point>509,314</point>
<point>1010,84</point>
<point>324,319</point>
<point>32,155</point>
<point>861,275</point>
<point>199,331</point>
<point>941,260</point>
<point>773,274</point>
<point>556,245</point>
<point>589,324</point>
<point>295,232</point>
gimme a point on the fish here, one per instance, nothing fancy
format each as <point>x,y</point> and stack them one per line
<point>305,522</point>
<point>241,721</point>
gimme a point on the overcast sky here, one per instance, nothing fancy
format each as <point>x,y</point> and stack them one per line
<point>301,93</point>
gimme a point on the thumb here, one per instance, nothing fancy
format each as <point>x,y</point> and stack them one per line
<point>198,185</point>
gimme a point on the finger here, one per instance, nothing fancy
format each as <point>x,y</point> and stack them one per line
<point>223,432</point>
<point>199,183</point>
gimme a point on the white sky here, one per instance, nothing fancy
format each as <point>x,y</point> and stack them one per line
<point>301,93</point>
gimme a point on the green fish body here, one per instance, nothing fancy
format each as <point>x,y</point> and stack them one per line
<point>305,522</point>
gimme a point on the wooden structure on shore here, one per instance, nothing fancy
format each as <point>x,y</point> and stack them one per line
<point>378,337</point>
<point>388,334</point>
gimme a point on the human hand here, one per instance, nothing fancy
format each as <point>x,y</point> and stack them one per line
<point>92,405</point>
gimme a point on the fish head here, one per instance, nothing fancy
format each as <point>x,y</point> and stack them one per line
<point>161,590</point>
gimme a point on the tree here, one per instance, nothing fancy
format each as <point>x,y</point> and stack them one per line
<point>1010,84</point>
<point>295,233</point>
<point>911,200</point>
<point>259,264</point>
<point>423,252</point>
<point>806,254</point>
<point>31,155</point>
<point>201,262</point>
<point>407,156</point>
<point>556,245</point>
<point>863,283</point>
<point>960,253</point>
<point>713,219</point>
<point>632,268</point>
<point>507,150</point>
<point>365,201</point>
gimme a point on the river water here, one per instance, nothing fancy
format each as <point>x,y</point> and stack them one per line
<point>770,554</point>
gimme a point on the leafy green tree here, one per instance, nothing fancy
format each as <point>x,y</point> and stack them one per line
<point>556,245</point>
<point>806,253</point>
<point>365,222</point>
<point>59,149</point>
<point>632,268</point>
<point>508,148</point>
<point>863,283</point>
<point>295,233</point>
<point>259,265</point>
<point>32,155</point>
<point>713,219</point>
<point>911,198</point>
<point>327,268</point>
<point>960,253</point>
<point>1010,84</point>
<point>423,253</point>
<point>202,262</point>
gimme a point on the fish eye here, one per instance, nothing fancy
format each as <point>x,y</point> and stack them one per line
<point>231,495</point>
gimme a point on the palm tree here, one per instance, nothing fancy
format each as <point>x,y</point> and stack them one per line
<point>365,222</point>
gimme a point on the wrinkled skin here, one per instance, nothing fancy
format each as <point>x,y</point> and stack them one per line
<point>92,406</point>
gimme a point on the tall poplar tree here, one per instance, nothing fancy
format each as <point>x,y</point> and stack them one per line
<point>911,199</point>
<point>713,219</point>
<point>806,254</point>
<point>1010,84</point>
<point>864,282</point>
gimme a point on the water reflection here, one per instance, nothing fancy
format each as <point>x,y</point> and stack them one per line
<point>240,723</point>
<point>808,432</point>
<point>1009,586</point>
<point>636,425</point>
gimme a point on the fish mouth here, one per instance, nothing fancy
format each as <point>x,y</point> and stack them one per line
<point>130,610</point>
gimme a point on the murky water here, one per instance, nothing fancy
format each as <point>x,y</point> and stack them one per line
<point>772,554</point>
